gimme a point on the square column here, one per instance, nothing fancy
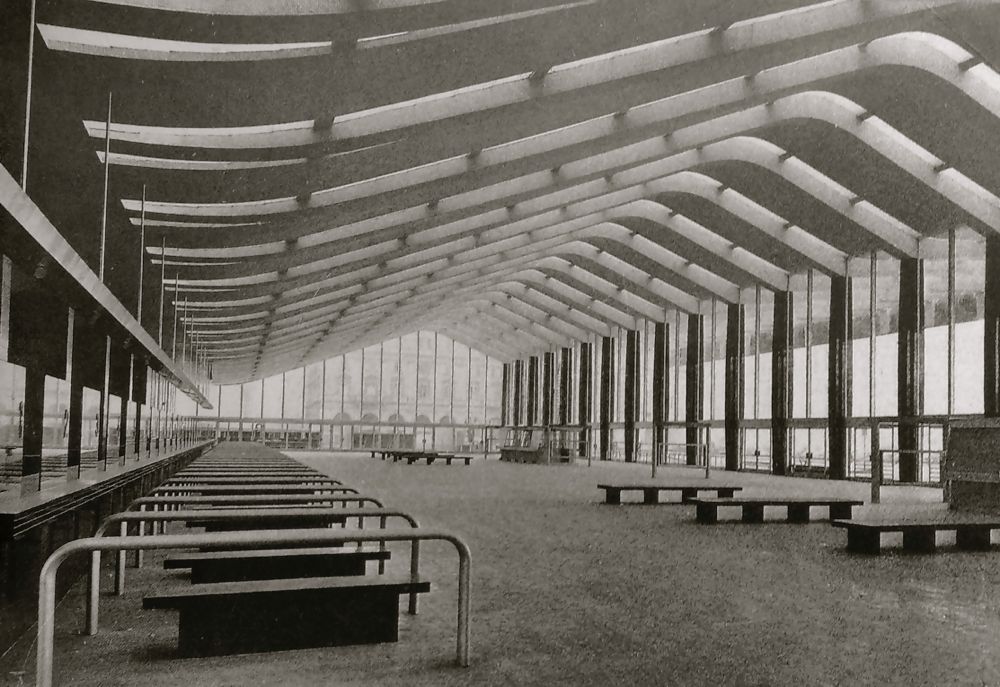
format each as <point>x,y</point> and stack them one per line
<point>504,393</point>
<point>661,382</point>
<point>910,364</point>
<point>31,444</point>
<point>607,394</point>
<point>548,381</point>
<point>565,375</point>
<point>695,405</point>
<point>839,390</point>
<point>781,381</point>
<point>533,390</point>
<point>518,391</point>
<point>735,384</point>
<point>584,410</point>
<point>991,337</point>
<point>631,391</point>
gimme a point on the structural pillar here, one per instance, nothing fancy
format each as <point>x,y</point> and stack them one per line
<point>565,374</point>
<point>533,390</point>
<point>74,378</point>
<point>910,368</point>
<point>123,428</point>
<point>695,385</point>
<point>607,394</point>
<point>839,377</point>
<point>518,391</point>
<point>31,444</point>
<point>504,393</point>
<point>781,381</point>
<point>735,384</point>
<point>584,410</point>
<point>661,384</point>
<point>991,333</point>
<point>631,391</point>
<point>548,381</point>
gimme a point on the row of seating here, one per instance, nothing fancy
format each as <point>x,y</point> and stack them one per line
<point>261,597</point>
<point>412,457</point>
<point>864,535</point>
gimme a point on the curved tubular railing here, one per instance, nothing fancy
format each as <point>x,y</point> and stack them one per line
<point>251,500</point>
<point>123,519</point>
<point>188,488</point>
<point>47,577</point>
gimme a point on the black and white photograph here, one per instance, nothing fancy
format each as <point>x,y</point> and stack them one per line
<point>438,343</point>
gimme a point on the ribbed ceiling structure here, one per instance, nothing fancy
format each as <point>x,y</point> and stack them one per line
<point>321,175</point>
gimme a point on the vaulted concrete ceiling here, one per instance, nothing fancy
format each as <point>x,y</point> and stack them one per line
<point>313,177</point>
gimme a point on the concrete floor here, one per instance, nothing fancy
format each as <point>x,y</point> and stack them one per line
<point>569,591</point>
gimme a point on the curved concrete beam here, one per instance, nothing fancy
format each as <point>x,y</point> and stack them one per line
<point>563,78</point>
<point>124,46</point>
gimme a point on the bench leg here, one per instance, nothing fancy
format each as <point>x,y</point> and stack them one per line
<point>613,496</point>
<point>650,496</point>
<point>921,540</point>
<point>864,541</point>
<point>706,513</point>
<point>798,513</point>
<point>753,513</point>
<point>973,538</point>
<point>725,493</point>
<point>841,511</point>
<point>688,494</point>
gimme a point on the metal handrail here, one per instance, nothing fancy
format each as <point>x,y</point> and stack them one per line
<point>186,488</point>
<point>94,594</point>
<point>47,576</point>
<point>251,499</point>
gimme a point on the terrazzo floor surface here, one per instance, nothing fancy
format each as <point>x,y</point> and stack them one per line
<point>568,591</point>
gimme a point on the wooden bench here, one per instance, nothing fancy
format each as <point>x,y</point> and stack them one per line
<point>448,458</point>
<point>651,492</point>
<point>273,564</point>
<point>275,615</point>
<point>972,531</point>
<point>322,518</point>
<point>796,507</point>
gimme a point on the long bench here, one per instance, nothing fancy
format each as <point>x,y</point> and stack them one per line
<point>274,615</point>
<point>796,507</point>
<point>972,531</point>
<point>272,564</point>
<point>651,492</point>
<point>448,458</point>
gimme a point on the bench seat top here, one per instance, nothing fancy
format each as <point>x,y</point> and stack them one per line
<point>403,584</point>
<point>185,561</point>
<point>778,501</point>
<point>672,486</point>
<point>941,521</point>
<point>237,488</point>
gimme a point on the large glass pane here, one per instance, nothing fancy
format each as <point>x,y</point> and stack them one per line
<point>11,423</point>
<point>293,393</point>
<point>314,391</point>
<point>800,306</point>
<point>766,346</point>
<point>390,388</point>
<point>970,284</point>
<point>935,252</point>
<point>862,401</point>
<point>229,400</point>
<point>886,334</point>
<point>820,370</point>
